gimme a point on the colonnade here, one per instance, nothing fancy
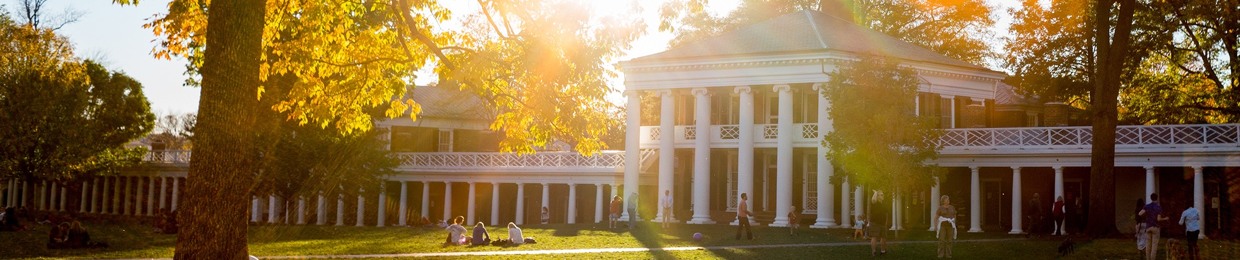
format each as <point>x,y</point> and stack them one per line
<point>112,195</point>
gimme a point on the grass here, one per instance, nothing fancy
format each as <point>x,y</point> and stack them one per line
<point>131,240</point>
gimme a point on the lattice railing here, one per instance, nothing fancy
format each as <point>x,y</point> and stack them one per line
<point>729,132</point>
<point>770,132</point>
<point>167,156</point>
<point>608,159</point>
<point>1152,135</point>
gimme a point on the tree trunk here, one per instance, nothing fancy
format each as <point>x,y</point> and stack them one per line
<point>222,169</point>
<point>1111,56</point>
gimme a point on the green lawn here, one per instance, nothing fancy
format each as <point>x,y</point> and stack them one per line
<point>137,241</point>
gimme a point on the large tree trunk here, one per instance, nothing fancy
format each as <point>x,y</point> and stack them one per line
<point>1111,56</point>
<point>222,169</point>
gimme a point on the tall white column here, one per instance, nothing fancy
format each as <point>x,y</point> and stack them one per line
<point>163,192</point>
<point>98,205</point>
<point>1016,205</point>
<point>826,191</point>
<point>701,158</point>
<point>546,201</point>
<point>150,196</point>
<point>272,209</point>
<point>426,199</point>
<point>82,202</point>
<point>598,203</point>
<point>340,208</point>
<point>1149,181</point>
<point>137,197</point>
<point>254,210</point>
<point>975,200</point>
<point>382,210</point>
<point>42,196</point>
<point>632,137</point>
<point>859,201</point>
<point>51,202</point>
<point>61,199</point>
<point>896,215</point>
<point>1199,197</point>
<point>1063,225</point>
<point>934,205</point>
<point>572,203</point>
<point>520,216</point>
<point>846,204</point>
<point>744,151</point>
<point>667,153</point>
<point>953,101</point>
<point>125,198</point>
<point>1059,181</point>
<point>447,201</point>
<point>469,209</point>
<point>783,157</point>
<point>404,202</point>
<point>495,204</point>
<point>301,210</point>
<point>176,192</point>
<point>361,207</point>
<point>320,216</point>
<point>25,188</point>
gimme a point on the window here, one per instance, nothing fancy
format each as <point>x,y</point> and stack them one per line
<point>445,140</point>
<point>947,113</point>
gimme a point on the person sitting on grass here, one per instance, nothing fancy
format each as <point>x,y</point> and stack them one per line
<point>794,221</point>
<point>514,234</point>
<point>546,216</point>
<point>80,238</point>
<point>481,237</point>
<point>456,232</point>
<point>57,236</point>
<point>11,221</point>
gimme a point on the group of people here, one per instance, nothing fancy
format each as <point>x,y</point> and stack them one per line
<point>166,222</point>
<point>10,221</point>
<point>613,219</point>
<point>1065,218</point>
<point>1148,230</point>
<point>69,235</point>
<point>456,235</point>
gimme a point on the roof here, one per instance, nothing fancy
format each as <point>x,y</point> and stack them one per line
<point>805,31</point>
<point>446,102</point>
<point>1006,95</point>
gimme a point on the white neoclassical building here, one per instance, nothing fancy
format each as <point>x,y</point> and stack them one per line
<point>736,113</point>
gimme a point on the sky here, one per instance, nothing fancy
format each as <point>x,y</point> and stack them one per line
<point>113,35</point>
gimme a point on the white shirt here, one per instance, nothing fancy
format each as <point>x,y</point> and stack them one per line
<point>515,235</point>
<point>667,201</point>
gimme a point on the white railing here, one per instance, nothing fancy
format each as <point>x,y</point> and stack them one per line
<point>1082,136</point>
<point>605,160</point>
<point>167,156</point>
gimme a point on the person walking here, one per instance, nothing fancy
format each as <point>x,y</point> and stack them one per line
<point>946,214</point>
<point>616,203</point>
<point>880,222</point>
<point>632,210</point>
<point>667,208</point>
<point>1152,214</point>
<point>1057,213</point>
<point>794,221</point>
<point>742,216</point>
<point>1139,228</point>
<point>1191,219</point>
<point>1035,216</point>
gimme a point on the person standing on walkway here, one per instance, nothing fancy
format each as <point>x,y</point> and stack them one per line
<point>742,217</point>
<point>1191,219</point>
<point>880,222</point>
<point>616,203</point>
<point>1035,216</point>
<point>667,208</point>
<point>632,210</point>
<point>1140,226</point>
<point>1057,213</point>
<point>1153,214</point>
<point>946,214</point>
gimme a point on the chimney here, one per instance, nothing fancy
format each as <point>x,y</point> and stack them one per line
<point>842,9</point>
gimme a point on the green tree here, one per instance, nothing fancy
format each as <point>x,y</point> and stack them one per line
<point>865,143</point>
<point>64,117</point>
<point>957,29</point>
